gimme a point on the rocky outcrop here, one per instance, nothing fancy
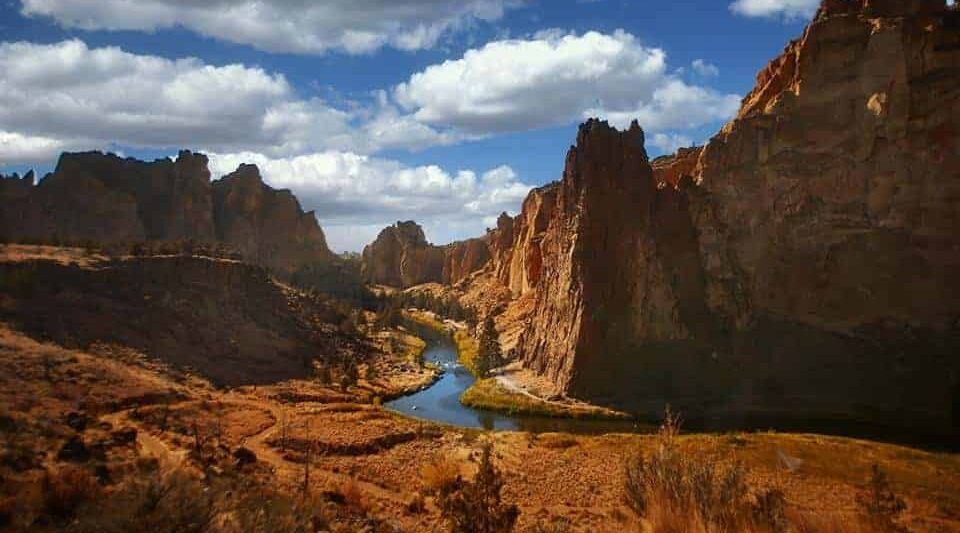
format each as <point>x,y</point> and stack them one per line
<point>462,258</point>
<point>402,257</point>
<point>93,197</point>
<point>266,225</point>
<point>668,169</point>
<point>801,264</point>
<point>601,285</point>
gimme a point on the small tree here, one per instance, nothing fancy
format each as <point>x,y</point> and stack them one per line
<point>350,375</point>
<point>475,507</point>
<point>489,355</point>
<point>323,375</point>
<point>879,503</point>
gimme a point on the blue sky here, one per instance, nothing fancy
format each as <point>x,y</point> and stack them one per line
<point>372,111</point>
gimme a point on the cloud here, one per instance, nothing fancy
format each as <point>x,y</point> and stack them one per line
<point>669,142</point>
<point>704,69</point>
<point>674,105</point>
<point>68,94</point>
<point>552,79</point>
<point>357,195</point>
<point>788,9</point>
<point>299,26</point>
<point>16,148</point>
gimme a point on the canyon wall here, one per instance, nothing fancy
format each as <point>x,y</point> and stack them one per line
<point>106,199</point>
<point>462,258</point>
<point>801,263</point>
<point>401,257</point>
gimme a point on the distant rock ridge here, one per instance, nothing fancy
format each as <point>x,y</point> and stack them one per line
<point>401,257</point>
<point>106,199</point>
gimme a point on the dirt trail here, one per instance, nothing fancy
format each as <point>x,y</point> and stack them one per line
<point>168,459</point>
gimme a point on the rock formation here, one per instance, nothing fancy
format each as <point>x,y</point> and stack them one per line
<point>462,258</point>
<point>105,199</point>
<point>801,263</point>
<point>669,169</point>
<point>266,225</point>
<point>518,253</point>
<point>402,257</point>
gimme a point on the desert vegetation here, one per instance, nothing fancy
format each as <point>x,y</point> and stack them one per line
<point>675,490</point>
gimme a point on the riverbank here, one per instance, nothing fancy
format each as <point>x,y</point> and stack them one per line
<point>492,395</point>
<point>510,391</point>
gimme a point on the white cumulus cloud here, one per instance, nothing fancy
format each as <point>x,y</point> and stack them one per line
<point>669,142</point>
<point>788,9</point>
<point>68,94</point>
<point>357,195</point>
<point>702,68</point>
<point>16,148</point>
<point>299,26</point>
<point>553,79</point>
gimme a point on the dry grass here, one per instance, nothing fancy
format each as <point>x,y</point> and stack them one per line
<point>468,350</point>
<point>489,394</point>
<point>440,475</point>
<point>677,491</point>
<point>557,441</point>
<point>426,319</point>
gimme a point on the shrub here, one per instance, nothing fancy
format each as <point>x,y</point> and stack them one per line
<point>475,507</point>
<point>67,488</point>
<point>676,491</point>
<point>440,476</point>
<point>177,502</point>
<point>353,496</point>
<point>879,504</point>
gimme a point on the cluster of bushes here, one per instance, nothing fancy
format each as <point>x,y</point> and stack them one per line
<point>339,279</point>
<point>72,499</point>
<point>676,490</point>
<point>472,506</point>
<point>445,306</point>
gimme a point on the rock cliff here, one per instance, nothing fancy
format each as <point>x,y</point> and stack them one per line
<point>522,265</point>
<point>401,257</point>
<point>669,169</point>
<point>462,258</point>
<point>266,225</point>
<point>801,263</point>
<point>106,199</point>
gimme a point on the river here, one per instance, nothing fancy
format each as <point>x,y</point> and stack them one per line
<point>441,401</point>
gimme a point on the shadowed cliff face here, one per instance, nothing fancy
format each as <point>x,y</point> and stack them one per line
<point>266,225</point>
<point>228,320</point>
<point>109,200</point>
<point>802,262</point>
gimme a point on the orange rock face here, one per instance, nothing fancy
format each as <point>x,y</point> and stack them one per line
<point>801,264</point>
<point>402,257</point>
<point>669,169</point>
<point>462,258</point>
